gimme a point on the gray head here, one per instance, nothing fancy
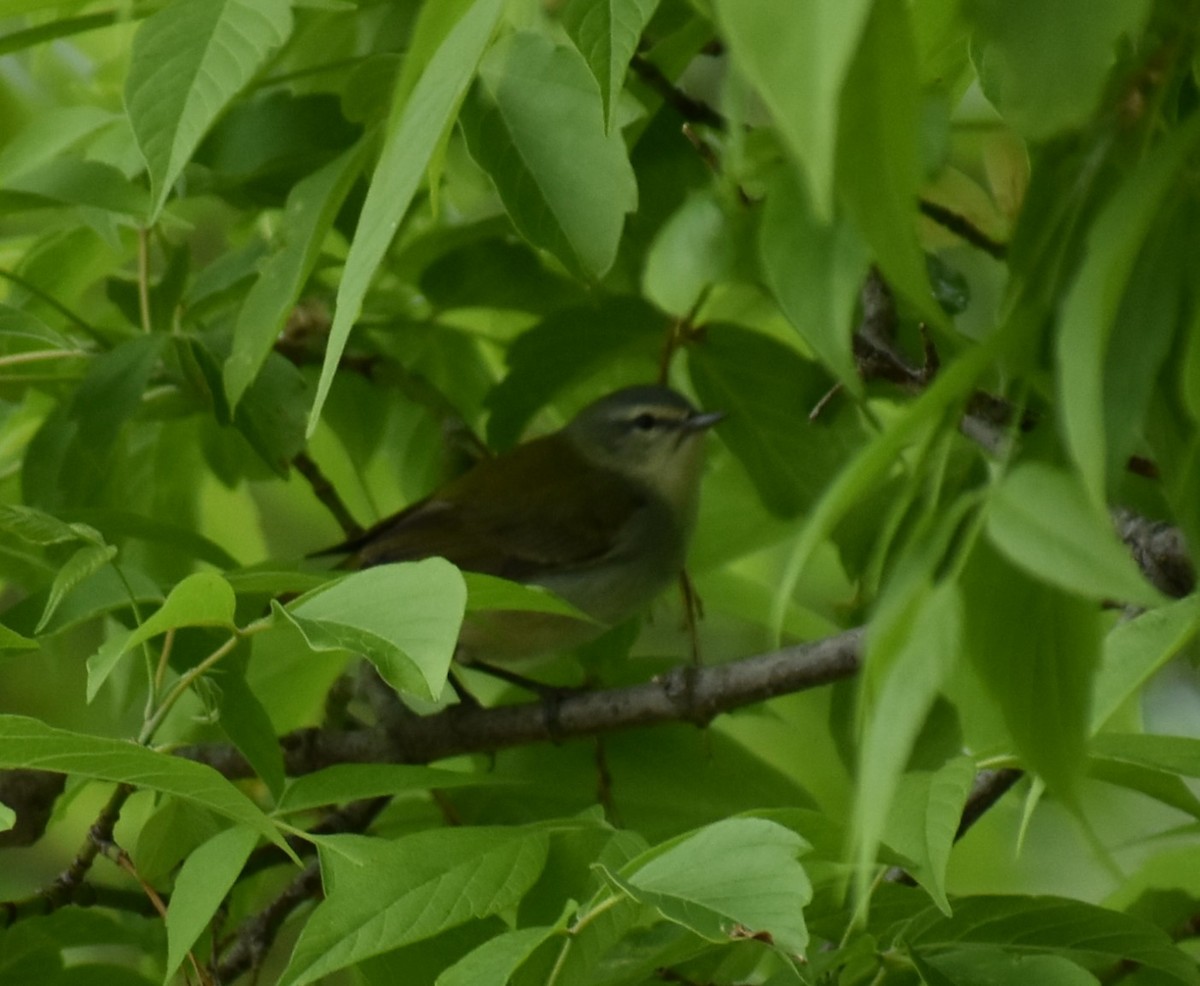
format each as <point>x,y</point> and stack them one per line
<point>649,434</point>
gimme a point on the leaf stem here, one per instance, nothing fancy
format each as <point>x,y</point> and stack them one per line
<point>182,685</point>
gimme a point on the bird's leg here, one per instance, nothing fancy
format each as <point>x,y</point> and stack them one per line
<point>693,613</point>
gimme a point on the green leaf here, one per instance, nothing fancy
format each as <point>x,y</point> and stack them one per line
<point>768,390</point>
<point>488,592</point>
<point>48,135</point>
<point>1114,241</point>
<point>392,893</point>
<point>563,350</point>
<point>607,33</point>
<point>815,270</point>
<point>84,563</point>
<point>494,962</point>
<point>879,161</point>
<point>1019,55</point>
<point>8,818</point>
<point>1093,936</point>
<point>924,822</point>
<point>38,527</point>
<point>246,723</point>
<point>1041,518</point>
<point>69,458</point>
<point>1154,782</point>
<point>187,63</point>
<point>1177,754</point>
<point>1136,649</point>
<point>28,743</point>
<point>534,123</point>
<point>403,618</point>
<point>11,640</point>
<point>413,135</point>
<point>102,663</point>
<point>996,967</point>
<point>271,413</point>
<point>910,650</point>
<point>695,249</point>
<point>204,599</point>
<point>206,876</point>
<point>103,593</point>
<point>71,181</point>
<point>346,782</point>
<point>311,208</point>
<point>797,56</point>
<point>732,879</point>
<point>1036,648</point>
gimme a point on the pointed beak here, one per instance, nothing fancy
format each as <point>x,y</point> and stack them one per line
<point>704,420</point>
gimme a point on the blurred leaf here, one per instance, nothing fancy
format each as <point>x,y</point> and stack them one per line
<point>68,459</point>
<point>1041,518</point>
<point>39,527</point>
<point>1144,328</point>
<point>104,592</point>
<point>25,742</point>
<point>910,650</point>
<point>1154,782</point>
<point>731,880</point>
<point>496,273</point>
<point>1114,242</point>
<point>275,140</point>
<point>535,124</point>
<point>72,181</point>
<point>1019,53</point>
<point>488,592</point>
<point>494,962</point>
<point>404,618</point>
<point>345,782</point>
<point>271,413</point>
<point>695,249</point>
<point>1177,754</point>
<point>311,208</point>
<point>878,164</point>
<point>1036,648</point>
<point>115,524</point>
<point>48,135</point>
<point>1135,649</point>
<point>187,63</point>
<point>924,821</point>
<point>768,390</point>
<point>798,56</point>
<point>815,271</point>
<point>380,894</point>
<point>564,349</point>
<point>206,876</point>
<point>85,562</point>
<point>607,33</point>
<point>422,112</point>
<point>1093,936</point>
<point>11,640</point>
<point>996,967</point>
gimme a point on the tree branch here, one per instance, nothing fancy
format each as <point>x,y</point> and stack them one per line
<point>685,694</point>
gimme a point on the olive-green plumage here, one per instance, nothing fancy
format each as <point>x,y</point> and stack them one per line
<point>599,512</point>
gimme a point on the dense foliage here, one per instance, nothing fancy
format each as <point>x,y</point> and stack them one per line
<point>274,268</point>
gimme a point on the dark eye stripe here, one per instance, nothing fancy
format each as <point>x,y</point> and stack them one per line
<point>645,421</point>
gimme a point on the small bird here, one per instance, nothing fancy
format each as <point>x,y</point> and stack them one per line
<point>599,512</point>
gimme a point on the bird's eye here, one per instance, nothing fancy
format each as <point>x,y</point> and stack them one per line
<point>645,421</point>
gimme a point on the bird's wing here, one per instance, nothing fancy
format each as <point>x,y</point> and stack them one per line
<point>493,520</point>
